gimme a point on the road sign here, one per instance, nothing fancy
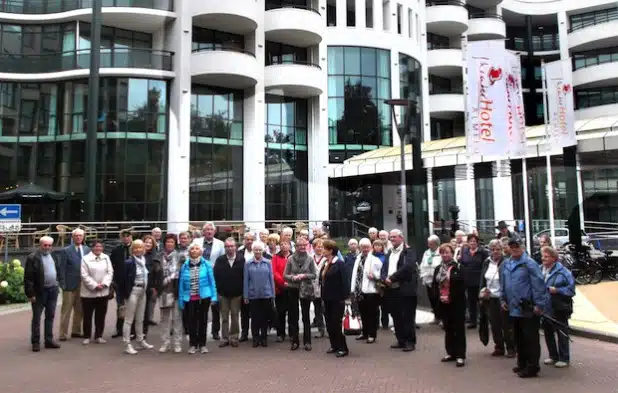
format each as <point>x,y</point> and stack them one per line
<point>10,226</point>
<point>10,212</point>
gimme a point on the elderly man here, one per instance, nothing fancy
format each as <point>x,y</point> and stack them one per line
<point>41,287</point>
<point>245,252</point>
<point>118,256</point>
<point>212,248</point>
<point>70,280</point>
<point>400,274</point>
<point>383,235</point>
<point>373,234</point>
<point>228,272</point>
<point>156,234</point>
<point>350,257</point>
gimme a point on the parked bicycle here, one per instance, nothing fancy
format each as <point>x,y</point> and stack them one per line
<point>585,269</point>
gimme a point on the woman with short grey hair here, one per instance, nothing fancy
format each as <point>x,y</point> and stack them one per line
<point>429,262</point>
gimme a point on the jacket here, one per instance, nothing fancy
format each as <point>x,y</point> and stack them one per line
<point>229,279</point>
<point>471,265</point>
<point>372,266</point>
<point>34,275</point>
<point>560,278</point>
<point>335,281</point>
<point>155,277</point>
<point>522,281</point>
<point>349,260</point>
<point>279,262</point>
<point>218,248</point>
<point>95,272</point>
<point>301,264</point>
<point>483,281</point>
<point>169,270</point>
<point>69,275</point>
<point>457,291</point>
<point>118,256</point>
<point>317,292</point>
<point>208,288</point>
<point>258,282</point>
<point>406,274</point>
<point>427,267</point>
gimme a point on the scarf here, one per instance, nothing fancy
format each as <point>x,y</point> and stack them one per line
<point>359,277</point>
<point>444,279</point>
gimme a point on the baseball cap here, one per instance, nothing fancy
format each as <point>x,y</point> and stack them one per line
<point>515,241</point>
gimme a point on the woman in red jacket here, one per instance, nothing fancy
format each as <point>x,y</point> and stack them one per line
<point>281,299</point>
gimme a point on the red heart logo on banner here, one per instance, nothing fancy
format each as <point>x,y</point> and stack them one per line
<point>510,80</point>
<point>494,74</point>
<point>566,88</point>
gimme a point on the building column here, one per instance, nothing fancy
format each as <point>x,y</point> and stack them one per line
<point>430,205</point>
<point>563,34</point>
<point>503,193</point>
<point>179,135</point>
<point>465,195</point>
<point>580,192</point>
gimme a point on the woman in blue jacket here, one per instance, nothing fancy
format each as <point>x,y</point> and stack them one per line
<point>196,291</point>
<point>561,287</point>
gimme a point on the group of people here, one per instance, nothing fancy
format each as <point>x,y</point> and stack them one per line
<point>273,280</point>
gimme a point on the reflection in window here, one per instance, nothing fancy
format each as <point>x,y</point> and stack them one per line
<point>216,112</point>
<point>410,88</point>
<point>285,54</point>
<point>286,120</point>
<point>444,192</point>
<point>286,184</point>
<point>206,39</point>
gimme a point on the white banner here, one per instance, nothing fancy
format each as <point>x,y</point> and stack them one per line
<point>561,115</point>
<point>495,124</point>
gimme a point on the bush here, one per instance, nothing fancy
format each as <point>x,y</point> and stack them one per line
<point>12,283</point>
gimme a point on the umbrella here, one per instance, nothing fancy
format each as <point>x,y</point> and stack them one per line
<point>483,324</point>
<point>32,193</point>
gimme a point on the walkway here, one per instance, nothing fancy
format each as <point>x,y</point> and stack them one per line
<point>369,369</point>
<point>595,308</point>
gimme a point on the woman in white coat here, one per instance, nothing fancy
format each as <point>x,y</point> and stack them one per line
<point>365,274</point>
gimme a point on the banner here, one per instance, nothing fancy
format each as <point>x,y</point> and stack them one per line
<point>495,122</point>
<point>561,116</point>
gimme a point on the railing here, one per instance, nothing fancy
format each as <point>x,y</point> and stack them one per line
<point>593,22</point>
<point>308,63</point>
<point>445,2</point>
<point>221,47</point>
<point>484,15</point>
<point>33,7</point>
<point>80,59</point>
<point>594,57</point>
<point>274,5</point>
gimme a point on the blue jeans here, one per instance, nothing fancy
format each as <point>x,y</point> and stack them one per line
<point>551,330</point>
<point>44,301</point>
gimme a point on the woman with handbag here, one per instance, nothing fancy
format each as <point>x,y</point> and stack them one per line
<point>365,273</point>
<point>170,313</point>
<point>97,273</point>
<point>451,287</point>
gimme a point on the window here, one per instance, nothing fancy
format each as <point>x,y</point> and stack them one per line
<point>399,18</point>
<point>435,41</point>
<point>216,113</point>
<point>351,13</point>
<point>331,13</point>
<point>286,121</point>
<point>286,191</point>
<point>285,54</point>
<point>587,98</point>
<point>206,39</point>
<point>369,13</point>
<point>386,15</point>
<point>586,19</point>
<point>595,57</point>
<point>410,23</point>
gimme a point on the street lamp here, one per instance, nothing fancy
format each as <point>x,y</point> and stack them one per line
<point>403,130</point>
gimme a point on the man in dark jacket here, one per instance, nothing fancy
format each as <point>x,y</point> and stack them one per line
<point>229,273</point>
<point>119,254</point>
<point>400,274</point>
<point>41,287</point>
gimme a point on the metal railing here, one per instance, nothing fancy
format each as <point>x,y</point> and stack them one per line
<point>80,59</point>
<point>221,47</point>
<point>484,15</point>
<point>597,20</point>
<point>594,57</point>
<point>275,5</point>
<point>308,63</point>
<point>33,7</point>
<point>433,3</point>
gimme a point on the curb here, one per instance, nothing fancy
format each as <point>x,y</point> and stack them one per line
<point>594,335</point>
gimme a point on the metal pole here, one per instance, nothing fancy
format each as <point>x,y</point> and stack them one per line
<point>6,247</point>
<point>403,189</point>
<point>527,222</point>
<point>93,110</point>
<point>550,181</point>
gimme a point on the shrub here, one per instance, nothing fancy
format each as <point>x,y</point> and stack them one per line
<point>12,283</point>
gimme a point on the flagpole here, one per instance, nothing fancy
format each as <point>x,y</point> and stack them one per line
<point>550,181</point>
<point>527,223</point>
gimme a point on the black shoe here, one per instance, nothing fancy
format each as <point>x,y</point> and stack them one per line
<point>397,346</point>
<point>409,348</point>
<point>243,338</point>
<point>447,359</point>
<point>117,334</point>
<point>294,346</point>
<point>341,354</point>
<point>36,347</point>
<point>76,335</point>
<point>418,326</point>
<point>256,343</point>
<point>280,339</point>
<point>527,374</point>
<point>313,324</point>
<point>516,369</point>
<point>330,351</point>
<point>215,336</point>
<point>360,338</point>
<point>52,345</point>
<point>307,347</point>
<point>460,363</point>
<point>264,342</point>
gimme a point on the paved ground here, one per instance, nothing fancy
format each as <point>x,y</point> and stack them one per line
<point>370,368</point>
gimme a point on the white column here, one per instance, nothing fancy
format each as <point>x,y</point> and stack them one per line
<point>503,193</point>
<point>465,195</point>
<point>342,10</point>
<point>527,222</point>
<point>395,93</point>
<point>360,14</point>
<point>471,197</point>
<point>179,142</point>
<point>563,26</point>
<point>430,206</point>
<point>580,193</point>
<point>378,22</point>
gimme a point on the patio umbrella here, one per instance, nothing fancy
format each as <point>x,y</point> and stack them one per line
<point>32,193</point>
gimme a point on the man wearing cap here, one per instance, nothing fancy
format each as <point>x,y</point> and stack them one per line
<point>503,231</point>
<point>118,255</point>
<point>525,297</point>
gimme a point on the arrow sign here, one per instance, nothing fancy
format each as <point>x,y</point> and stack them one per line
<point>10,212</point>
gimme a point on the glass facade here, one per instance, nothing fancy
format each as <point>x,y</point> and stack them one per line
<point>216,175</point>
<point>444,193</point>
<point>588,98</point>
<point>599,171</point>
<point>43,135</point>
<point>207,39</point>
<point>586,19</point>
<point>359,81</point>
<point>286,159</point>
<point>55,6</point>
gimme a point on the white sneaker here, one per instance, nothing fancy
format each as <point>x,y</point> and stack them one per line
<point>100,340</point>
<point>144,345</point>
<point>128,349</point>
<point>561,364</point>
<point>549,362</point>
<point>177,349</point>
<point>164,348</point>
<point>86,341</point>
<point>204,350</point>
<point>187,337</point>
<point>192,350</point>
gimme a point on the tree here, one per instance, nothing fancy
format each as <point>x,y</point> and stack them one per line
<point>146,117</point>
<point>361,120</point>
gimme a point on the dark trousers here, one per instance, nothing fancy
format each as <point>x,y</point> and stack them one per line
<point>472,294</point>
<point>216,319</point>
<point>96,306</point>
<point>383,313</point>
<point>318,307</point>
<point>454,319</point>
<point>403,311</point>
<point>433,301</point>
<point>282,306</point>
<point>527,341</point>
<point>45,301</point>
<point>119,313</point>
<point>369,307</point>
<point>197,317</point>
<point>305,306</point>
<point>501,327</point>
<point>333,313</point>
<point>245,315</point>
<point>550,330</point>
<point>260,314</point>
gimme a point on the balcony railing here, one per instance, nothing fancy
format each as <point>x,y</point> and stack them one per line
<point>484,15</point>
<point>274,5</point>
<point>445,90</point>
<point>221,47</point>
<point>292,61</point>
<point>33,7</point>
<point>445,2</point>
<point>597,20</point>
<point>596,57</point>
<point>80,59</point>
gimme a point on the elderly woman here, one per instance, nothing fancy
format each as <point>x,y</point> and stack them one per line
<point>279,262</point>
<point>258,293</point>
<point>451,290</point>
<point>471,260</point>
<point>501,329</point>
<point>318,259</point>
<point>97,274</point>
<point>170,314</point>
<point>561,286</point>
<point>460,241</point>
<point>153,263</point>
<point>365,274</point>
<point>134,294</point>
<point>335,289</point>
<point>544,241</point>
<point>196,291</point>
<point>429,262</point>
<point>272,244</point>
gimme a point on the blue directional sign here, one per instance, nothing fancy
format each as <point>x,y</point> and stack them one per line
<point>10,212</point>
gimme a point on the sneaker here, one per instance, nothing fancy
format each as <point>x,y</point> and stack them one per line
<point>187,337</point>
<point>460,362</point>
<point>100,340</point>
<point>129,350</point>
<point>164,348</point>
<point>86,341</point>
<point>144,345</point>
<point>549,362</point>
<point>204,350</point>
<point>177,349</point>
<point>561,364</point>
<point>192,350</point>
